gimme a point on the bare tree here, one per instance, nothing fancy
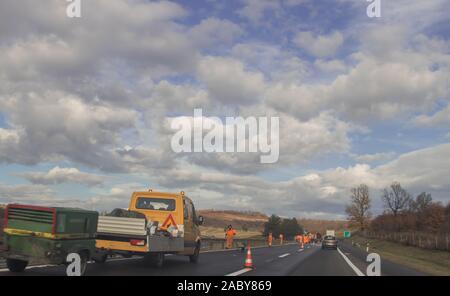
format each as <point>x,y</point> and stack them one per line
<point>395,199</point>
<point>421,203</point>
<point>358,209</point>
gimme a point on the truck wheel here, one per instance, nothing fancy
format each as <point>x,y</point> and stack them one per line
<point>194,257</point>
<point>155,259</point>
<point>15,265</point>
<point>159,260</point>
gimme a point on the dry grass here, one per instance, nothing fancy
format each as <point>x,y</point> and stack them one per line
<point>428,261</point>
<point>253,221</point>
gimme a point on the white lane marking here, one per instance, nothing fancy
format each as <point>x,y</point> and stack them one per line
<point>90,262</point>
<point>300,250</point>
<point>238,249</point>
<point>355,269</point>
<point>239,272</point>
<point>284,255</point>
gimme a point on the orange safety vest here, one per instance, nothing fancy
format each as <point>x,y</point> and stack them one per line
<point>230,233</point>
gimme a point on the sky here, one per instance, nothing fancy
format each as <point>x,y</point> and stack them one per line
<point>86,104</point>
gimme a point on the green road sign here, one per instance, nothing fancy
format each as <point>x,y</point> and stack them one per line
<point>347,234</point>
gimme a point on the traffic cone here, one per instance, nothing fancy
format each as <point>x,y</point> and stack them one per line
<point>248,260</point>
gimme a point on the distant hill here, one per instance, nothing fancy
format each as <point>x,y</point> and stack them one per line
<point>255,221</point>
<point>321,226</point>
<point>239,220</point>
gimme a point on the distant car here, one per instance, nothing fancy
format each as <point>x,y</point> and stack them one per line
<point>329,242</point>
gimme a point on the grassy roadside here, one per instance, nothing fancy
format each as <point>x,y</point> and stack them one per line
<point>428,261</point>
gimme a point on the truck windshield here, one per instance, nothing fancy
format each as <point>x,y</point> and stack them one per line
<point>158,204</point>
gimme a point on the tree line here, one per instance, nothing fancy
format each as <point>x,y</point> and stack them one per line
<point>277,225</point>
<point>402,211</point>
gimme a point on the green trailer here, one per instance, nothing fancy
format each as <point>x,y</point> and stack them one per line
<point>46,235</point>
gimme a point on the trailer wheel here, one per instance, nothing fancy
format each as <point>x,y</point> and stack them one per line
<point>84,256</point>
<point>15,265</point>
<point>194,257</point>
<point>100,259</point>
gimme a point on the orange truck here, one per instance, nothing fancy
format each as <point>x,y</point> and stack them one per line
<point>155,224</point>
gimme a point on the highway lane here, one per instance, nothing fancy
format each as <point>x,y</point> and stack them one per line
<point>388,268</point>
<point>267,261</point>
<point>287,260</point>
<point>324,263</point>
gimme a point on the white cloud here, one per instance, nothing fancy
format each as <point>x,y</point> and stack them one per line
<point>255,10</point>
<point>386,90</point>
<point>299,141</point>
<point>319,45</point>
<point>139,32</point>
<point>440,118</point>
<point>59,175</point>
<point>370,90</point>
<point>295,2</point>
<point>229,82</point>
<point>179,97</point>
<point>53,125</point>
<point>370,158</point>
<point>331,66</point>
<point>215,32</point>
<point>273,61</point>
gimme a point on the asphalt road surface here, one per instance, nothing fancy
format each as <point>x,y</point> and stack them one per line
<point>287,260</point>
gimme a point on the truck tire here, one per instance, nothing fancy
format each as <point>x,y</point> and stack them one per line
<point>155,259</point>
<point>194,257</point>
<point>159,260</point>
<point>15,265</point>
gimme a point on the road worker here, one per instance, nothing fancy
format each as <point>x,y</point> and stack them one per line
<point>270,239</point>
<point>229,236</point>
<point>301,240</point>
<point>281,239</point>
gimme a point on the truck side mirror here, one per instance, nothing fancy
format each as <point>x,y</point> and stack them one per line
<point>200,220</point>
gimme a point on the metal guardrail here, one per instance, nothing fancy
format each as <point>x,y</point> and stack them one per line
<point>211,244</point>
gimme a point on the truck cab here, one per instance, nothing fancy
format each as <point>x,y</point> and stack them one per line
<point>155,224</point>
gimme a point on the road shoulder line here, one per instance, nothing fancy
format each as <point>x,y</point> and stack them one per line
<point>239,272</point>
<point>350,263</point>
